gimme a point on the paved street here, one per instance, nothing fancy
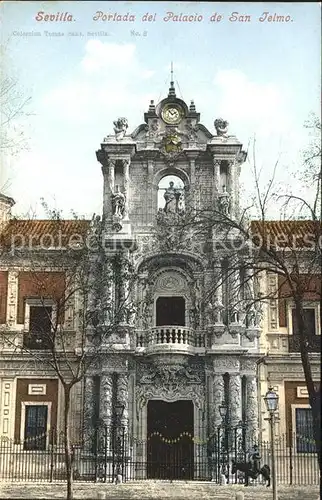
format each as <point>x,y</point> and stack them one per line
<point>154,490</point>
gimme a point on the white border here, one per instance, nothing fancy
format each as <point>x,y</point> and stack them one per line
<point>23,418</point>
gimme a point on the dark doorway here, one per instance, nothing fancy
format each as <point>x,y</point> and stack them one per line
<point>170,440</point>
<point>170,311</point>
<point>35,427</point>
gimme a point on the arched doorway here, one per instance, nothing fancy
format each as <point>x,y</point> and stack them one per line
<point>170,440</point>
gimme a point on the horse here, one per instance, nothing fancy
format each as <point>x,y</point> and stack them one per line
<point>246,468</point>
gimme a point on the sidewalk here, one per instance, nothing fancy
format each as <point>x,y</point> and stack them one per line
<point>153,490</point>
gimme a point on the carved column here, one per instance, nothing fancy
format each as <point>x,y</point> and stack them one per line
<point>218,398</point>
<point>232,187</point>
<point>234,291</point>
<point>235,405</point>
<point>252,407</point>
<point>150,210</point>
<point>106,391</point>
<point>108,305</point>
<point>124,288</point>
<point>126,182</point>
<point>123,397</point>
<point>109,181</point>
<point>89,411</point>
<point>216,175</point>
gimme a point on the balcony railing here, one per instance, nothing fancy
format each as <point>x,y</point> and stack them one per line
<point>313,343</point>
<point>169,334</point>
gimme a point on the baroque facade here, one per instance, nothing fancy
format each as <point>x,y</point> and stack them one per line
<point>188,338</point>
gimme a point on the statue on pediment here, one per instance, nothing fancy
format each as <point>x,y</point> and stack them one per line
<point>221,127</point>
<point>120,128</point>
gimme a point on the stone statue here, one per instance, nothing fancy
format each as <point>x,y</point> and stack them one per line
<point>221,127</point>
<point>224,201</point>
<point>173,201</point>
<point>131,312</point>
<point>120,128</point>
<point>118,203</point>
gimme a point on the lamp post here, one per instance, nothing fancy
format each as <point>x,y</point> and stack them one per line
<point>271,401</point>
<point>223,413</point>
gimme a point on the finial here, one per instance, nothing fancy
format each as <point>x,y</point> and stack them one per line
<point>172,92</point>
<point>152,106</point>
<point>192,107</point>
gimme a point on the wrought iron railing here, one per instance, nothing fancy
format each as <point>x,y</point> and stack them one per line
<point>182,456</point>
<point>313,343</point>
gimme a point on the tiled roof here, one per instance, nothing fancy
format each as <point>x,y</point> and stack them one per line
<point>299,232</point>
<point>300,227</point>
<point>44,233</point>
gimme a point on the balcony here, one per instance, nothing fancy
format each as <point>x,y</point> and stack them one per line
<point>313,343</point>
<point>170,336</point>
<point>36,341</point>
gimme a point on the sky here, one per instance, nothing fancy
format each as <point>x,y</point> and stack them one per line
<point>262,76</point>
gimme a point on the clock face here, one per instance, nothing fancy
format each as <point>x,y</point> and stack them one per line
<point>172,114</point>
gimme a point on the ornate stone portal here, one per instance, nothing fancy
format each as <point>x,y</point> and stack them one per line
<point>188,334</point>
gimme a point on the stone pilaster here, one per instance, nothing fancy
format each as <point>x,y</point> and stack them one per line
<point>252,407</point>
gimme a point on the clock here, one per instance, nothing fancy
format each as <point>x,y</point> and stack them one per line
<point>172,114</point>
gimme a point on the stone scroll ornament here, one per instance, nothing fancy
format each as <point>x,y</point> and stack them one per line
<point>221,127</point>
<point>120,128</point>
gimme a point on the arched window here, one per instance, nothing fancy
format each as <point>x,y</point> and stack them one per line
<point>171,194</point>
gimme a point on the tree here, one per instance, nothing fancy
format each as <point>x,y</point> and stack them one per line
<point>289,249</point>
<point>13,108</point>
<point>71,274</point>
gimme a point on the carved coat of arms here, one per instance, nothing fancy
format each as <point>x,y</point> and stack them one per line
<point>171,145</point>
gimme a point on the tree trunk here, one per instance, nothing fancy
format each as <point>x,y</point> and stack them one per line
<point>314,395</point>
<point>68,451</point>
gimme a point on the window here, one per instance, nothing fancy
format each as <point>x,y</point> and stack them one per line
<point>35,432</point>
<point>170,311</point>
<point>309,319</point>
<point>39,328</point>
<point>304,431</point>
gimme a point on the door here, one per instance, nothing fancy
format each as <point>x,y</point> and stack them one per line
<point>36,427</point>
<point>170,440</point>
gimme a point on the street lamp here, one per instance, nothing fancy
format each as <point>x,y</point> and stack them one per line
<point>271,401</point>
